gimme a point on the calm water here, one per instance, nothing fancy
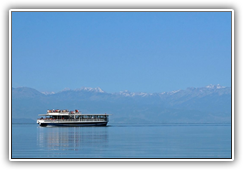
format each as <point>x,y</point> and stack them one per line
<point>122,141</point>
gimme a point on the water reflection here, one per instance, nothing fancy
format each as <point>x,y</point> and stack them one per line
<point>71,138</point>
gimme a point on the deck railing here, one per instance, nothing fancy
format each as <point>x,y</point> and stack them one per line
<point>73,120</point>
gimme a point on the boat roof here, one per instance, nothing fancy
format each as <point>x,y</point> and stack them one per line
<point>75,114</point>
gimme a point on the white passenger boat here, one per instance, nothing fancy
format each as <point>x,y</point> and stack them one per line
<point>72,118</point>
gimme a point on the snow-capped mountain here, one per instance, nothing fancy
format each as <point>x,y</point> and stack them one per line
<point>88,89</point>
<point>132,94</point>
<point>218,86</point>
<point>127,93</point>
<point>97,89</point>
<point>207,104</point>
<point>191,90</point>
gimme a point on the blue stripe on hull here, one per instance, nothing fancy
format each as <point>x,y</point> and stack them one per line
<point>74,124</point>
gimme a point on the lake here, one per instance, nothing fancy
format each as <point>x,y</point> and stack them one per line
<point>122,141</point>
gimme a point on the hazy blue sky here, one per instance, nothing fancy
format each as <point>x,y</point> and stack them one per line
<point>116,51</point>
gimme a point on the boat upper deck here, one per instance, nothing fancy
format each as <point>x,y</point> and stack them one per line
<point>68,113</point>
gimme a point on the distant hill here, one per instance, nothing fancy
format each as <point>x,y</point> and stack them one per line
<point>210,104</point>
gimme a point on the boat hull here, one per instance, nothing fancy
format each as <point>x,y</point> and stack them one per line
<point>74,124</point>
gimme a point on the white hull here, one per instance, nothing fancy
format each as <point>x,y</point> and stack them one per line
<point>71,123</point>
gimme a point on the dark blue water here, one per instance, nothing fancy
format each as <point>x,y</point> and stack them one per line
<point>122,141</point>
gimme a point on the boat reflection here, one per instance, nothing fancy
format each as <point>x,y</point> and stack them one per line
<point>71,138</point>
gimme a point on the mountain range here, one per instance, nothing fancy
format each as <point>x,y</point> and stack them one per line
<point>210,104</point>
